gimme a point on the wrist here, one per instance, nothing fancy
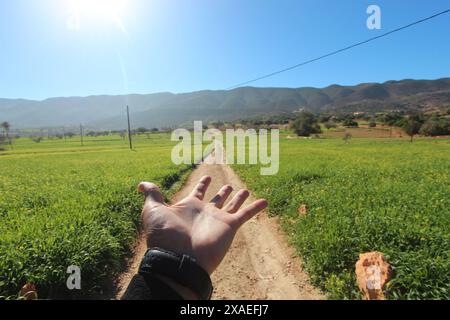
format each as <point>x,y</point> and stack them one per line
<point>179,271</point>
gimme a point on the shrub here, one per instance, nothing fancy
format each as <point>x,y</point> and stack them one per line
<point>37,139</point>
<point>349,123</point>
<point>435,127</point>
<point>306,124</point>
<point>330,124</point>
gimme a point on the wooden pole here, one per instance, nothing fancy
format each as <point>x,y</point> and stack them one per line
<point>81,134</point>
<point>129,128</point>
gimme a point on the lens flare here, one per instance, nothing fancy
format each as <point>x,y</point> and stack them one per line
<point>99,10</point>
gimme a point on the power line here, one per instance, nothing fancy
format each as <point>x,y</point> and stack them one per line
<point>338,51</point>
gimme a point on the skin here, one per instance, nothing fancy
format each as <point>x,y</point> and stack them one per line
<point>202,229</point>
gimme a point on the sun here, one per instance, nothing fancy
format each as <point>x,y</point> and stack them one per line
<point>98,10</point>
<point>101,8</point>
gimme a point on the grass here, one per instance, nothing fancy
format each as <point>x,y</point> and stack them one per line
<point>62,204</point>
<point>371,194</point>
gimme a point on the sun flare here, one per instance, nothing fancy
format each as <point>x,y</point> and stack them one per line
<point>98,10</point>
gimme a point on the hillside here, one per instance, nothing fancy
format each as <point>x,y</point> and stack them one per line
<point>167,109</point>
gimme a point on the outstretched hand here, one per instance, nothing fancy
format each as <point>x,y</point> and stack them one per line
<point>203,230</point>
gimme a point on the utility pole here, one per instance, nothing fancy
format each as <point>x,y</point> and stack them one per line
<point>81,134</point>
<point>129,128</point>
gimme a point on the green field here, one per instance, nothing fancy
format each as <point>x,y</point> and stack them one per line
<point>63,204</point>
<point>370,194</point>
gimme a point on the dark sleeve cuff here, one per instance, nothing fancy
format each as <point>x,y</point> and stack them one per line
<point>180,268</point>
<point>152,289</point>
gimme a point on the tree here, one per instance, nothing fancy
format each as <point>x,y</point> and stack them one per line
<point>412,125</point>
<point>141,130</point>
<point>372,123</point>
<point>324,118</point>
<point>347,137</point>
<point>330,124</point>
<point>364,116</point>
<point>2,143</point>
<point>349,123</point>
<point>5,126</point>
<point>435,127</point>
<point>306,124</point>
<point>37,139</point>
<point>391,118</point>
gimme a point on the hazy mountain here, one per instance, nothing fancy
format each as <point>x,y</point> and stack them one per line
<point>167,109</point>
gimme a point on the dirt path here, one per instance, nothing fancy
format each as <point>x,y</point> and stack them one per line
<point>259,264</point>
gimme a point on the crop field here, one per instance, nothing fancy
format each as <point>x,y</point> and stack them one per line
<point>385,195</point>
<point>63,204</point>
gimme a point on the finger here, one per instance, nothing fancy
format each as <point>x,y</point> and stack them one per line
<point>200,189</point>
<point>237,201</point>
<point>222,196</point>
<point>245,214</point>
<point>153,196</point>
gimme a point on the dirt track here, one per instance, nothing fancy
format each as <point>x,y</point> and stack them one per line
<point>259,264</point>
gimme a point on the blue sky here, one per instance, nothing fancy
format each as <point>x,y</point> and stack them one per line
<point>187,45</point>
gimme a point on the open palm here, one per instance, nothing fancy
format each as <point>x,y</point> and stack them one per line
<point>203,230</point>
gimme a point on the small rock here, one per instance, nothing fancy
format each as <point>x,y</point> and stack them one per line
<point>303,210</point>
<point>372,273</point>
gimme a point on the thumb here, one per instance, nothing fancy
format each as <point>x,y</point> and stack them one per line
<point>153,196</point>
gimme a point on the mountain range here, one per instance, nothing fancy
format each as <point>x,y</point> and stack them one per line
<point>168,109</point>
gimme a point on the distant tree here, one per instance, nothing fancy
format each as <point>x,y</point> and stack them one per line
<point>391,118</point>
<point>2,143</point>
<point>372,123</point>
<point>412,124</point>
<point>217,124</point>
<point>306,124</point>
<point>348,122</point>
<point>341,117</point>
<point>324,118</point>
<point>435,126</point>
<point>70,134</point>
<point>154,130</point>
<point>330,124</point>
<point>141,130</point>
<point>5,126</point>
<point>347,137</point>
<point>37,139</point>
